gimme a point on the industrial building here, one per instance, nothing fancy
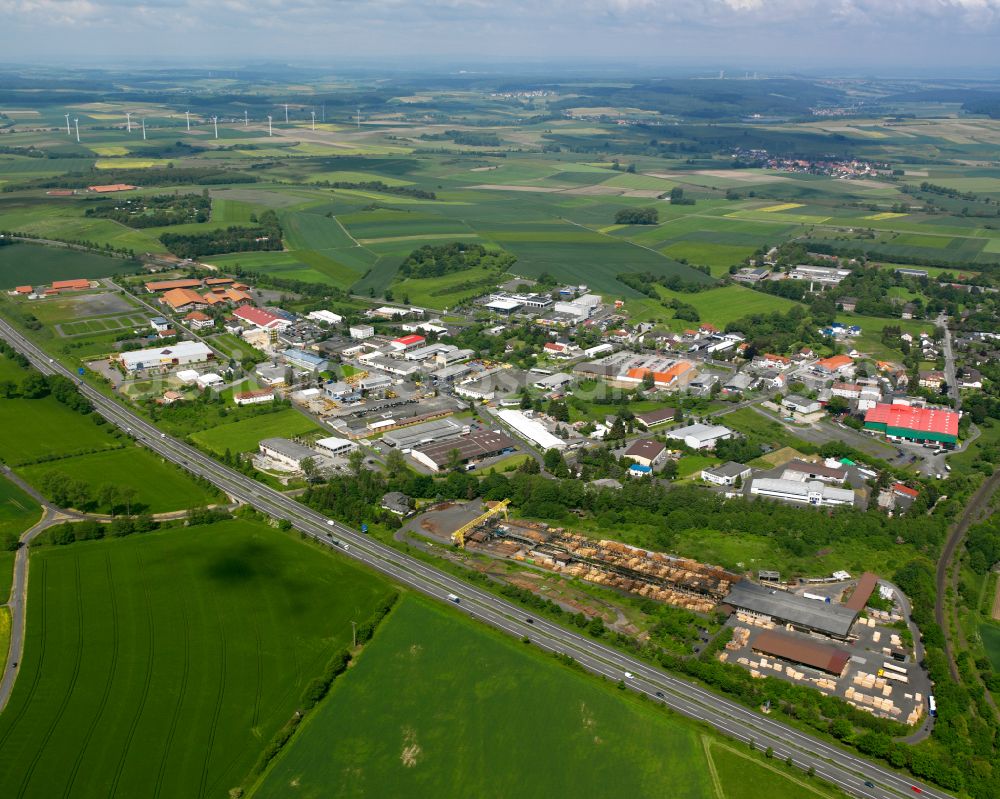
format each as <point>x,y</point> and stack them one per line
<point>726,474</point>
<point>306,360</point>
<point>862,592</point>
<point>802,651</point>
<point>802,405</point>
<point>477,446</point>
<point>361,332</point>
<point>329,317</point>
<point>782,607</point>
<point>180,354</point>
<point>701,436</point>
<point>533,430</point>
<point>646,452</point>
<point>806,492</point>
<point>285,452</point>
<point>426,433</point>
<point>798,469</point>
<point>914,424</point>
<point>338,447</point>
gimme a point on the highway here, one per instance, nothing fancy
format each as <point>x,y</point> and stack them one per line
<point>837,766</point>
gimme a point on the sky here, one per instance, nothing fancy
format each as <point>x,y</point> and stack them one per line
<point>844,36</point>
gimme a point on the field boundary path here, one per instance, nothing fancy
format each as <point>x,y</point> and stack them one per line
<point>995,613</point>
<point>18,600</point>
<point>978,503</point>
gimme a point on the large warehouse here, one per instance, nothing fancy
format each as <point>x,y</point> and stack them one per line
<point>802,651</point>
<point>807,615</point>
<point>426,433</point>
<point>180,354</point>
<point>914,424</point>
<point>440,454</point>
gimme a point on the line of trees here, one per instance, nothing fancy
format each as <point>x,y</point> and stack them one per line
<point>265,235</point>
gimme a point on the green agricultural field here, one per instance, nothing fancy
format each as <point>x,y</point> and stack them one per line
<point>741,775</point>
<point>161,487</point>
<point>726,304</point>
<point>18,512</point>
<point>448,290</point>
<point>36,264</point>
<point>448,703</point>
<point>990,634</point>
<point>243,436</point>
<point>40,428</point>
<point>159,665</point>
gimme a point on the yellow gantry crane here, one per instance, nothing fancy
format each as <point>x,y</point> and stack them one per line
<point>459,535</point>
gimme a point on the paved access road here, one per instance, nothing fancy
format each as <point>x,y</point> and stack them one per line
<point>848,771</point>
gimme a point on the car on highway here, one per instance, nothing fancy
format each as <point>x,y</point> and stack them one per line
<point>915,789</point>
<point>660,694</point>
<point>629,675</point>
<point>529,619</point>
<point>869,784</point>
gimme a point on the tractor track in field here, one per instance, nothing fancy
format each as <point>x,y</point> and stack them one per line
<point>36,678</point>
<point>218,704</point>
<point>151,650</point>
<point>259,657</point>
<point>43,745</point>
<point>112,673</point>
<point>181,693</point>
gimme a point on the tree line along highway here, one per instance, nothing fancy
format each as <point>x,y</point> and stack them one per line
<point>851,773</point>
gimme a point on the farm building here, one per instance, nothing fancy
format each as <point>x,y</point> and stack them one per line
<point>701,436</point>
<point>807,615</point>
<point>180,354</point>
<point>76,284</point>
<point>477,446</point>
<point>914,424</point>
<point>166,285</point>
<point>179,299</point>
<point>802,651</point>
<point>111,187</point>
<point>726,474</point>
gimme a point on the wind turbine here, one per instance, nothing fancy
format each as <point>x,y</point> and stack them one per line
<point>187,116</point>
<point>76,124</point>
<point>359,117</point>
<point>246,118</point>
<point>286,113</point>
<point>144,129</point>
<point>269,133</point>
<point>68,131</point>
<point>324,113</point>
<point>215,122</point>
<point>128,121</point>
<point>314,120</point>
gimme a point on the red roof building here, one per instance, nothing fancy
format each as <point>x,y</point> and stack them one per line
<point>905,491</point>
<point>182,298</point>
<point>258,317</point>
<point>111,187</point>
<point>835,363</point>
<point>914,424</point>
<point>24,289</point>
<point>407,342</point>
<point>824,657</point>
<point>166,285</point>
<point>77,284</point>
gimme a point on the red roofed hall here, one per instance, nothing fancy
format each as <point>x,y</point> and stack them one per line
<point>182,298</point>
<point>824,657</point>
<point>835,363</point>
<point>905,491</point>
<point>407,342</point>
<point>258,317</point>
<point>24,289</point>
<point>77,284</point>
<point>166,285</point>
<point>111,187</point>
<point>914,424</point>
<point>862,592</point>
